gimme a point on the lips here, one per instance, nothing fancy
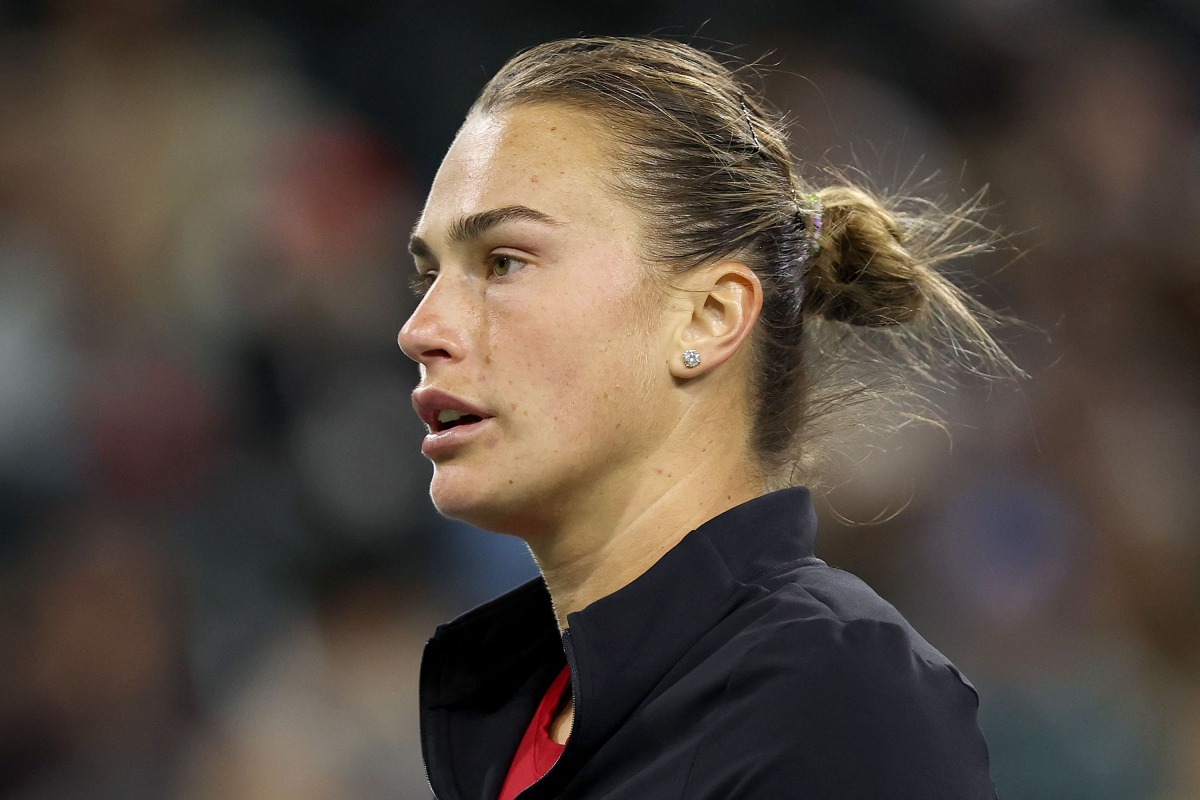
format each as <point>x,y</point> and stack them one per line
<point>441,410</point>
<point>452,421</point>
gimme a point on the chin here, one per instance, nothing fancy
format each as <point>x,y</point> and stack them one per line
<point>479,502</point>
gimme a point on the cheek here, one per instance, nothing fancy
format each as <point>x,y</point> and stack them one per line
<point>604,372</point>
<point>581,358</point>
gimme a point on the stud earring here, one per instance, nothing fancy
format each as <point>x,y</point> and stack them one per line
<point>691,358</point>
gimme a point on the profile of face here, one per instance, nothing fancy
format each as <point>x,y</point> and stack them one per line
<point>542,340</point>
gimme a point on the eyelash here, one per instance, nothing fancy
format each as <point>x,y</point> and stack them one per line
<point>422,283</point>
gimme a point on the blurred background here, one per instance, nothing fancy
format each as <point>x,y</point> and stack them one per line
<point>218,562</point>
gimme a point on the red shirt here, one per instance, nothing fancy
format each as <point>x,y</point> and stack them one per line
<point>537,752</point>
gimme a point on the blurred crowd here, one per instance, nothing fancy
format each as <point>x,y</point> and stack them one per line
<point>218,561</point>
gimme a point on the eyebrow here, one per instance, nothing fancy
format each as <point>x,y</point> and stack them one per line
<point>469,228</point>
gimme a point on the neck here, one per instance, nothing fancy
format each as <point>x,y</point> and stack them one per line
<point>614,539</point>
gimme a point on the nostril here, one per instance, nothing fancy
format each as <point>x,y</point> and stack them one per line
<point>425,340</point>
<point>421,351</point>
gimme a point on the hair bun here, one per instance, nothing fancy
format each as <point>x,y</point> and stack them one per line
<point>862,274</point>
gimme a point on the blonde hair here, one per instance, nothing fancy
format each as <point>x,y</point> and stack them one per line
<point>692,141</point>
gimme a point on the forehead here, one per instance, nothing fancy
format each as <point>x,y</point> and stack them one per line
<point>550,158</point>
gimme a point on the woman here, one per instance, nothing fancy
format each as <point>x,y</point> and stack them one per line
<point>619,262</point>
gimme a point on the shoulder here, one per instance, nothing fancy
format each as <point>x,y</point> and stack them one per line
<point>869,672</point>
<point>815,605</point>
<point>833,688</point>
<point>824,639</point>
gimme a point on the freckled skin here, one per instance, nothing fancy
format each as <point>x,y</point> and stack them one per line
<point>604,450</point>
<point>562,335</point>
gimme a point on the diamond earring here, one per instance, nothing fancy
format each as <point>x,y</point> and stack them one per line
<point>691,358</point>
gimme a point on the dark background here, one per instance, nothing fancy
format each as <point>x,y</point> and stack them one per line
<point>218,562</point>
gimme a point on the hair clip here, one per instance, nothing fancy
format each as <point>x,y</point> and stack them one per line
<point>816,220</point>
<point>750,124</point>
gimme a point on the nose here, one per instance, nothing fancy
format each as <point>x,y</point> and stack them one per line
<point>431,334</point>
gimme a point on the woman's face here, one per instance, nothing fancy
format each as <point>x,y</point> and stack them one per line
<point>540,324</point>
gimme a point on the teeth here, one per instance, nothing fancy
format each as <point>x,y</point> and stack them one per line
<point>448,415</point>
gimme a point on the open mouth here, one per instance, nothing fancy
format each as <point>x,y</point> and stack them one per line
<point>448,419</point>
<point>442,412</point>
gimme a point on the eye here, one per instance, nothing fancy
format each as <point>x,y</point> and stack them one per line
<point>503,266</point>
<point>421,284</point>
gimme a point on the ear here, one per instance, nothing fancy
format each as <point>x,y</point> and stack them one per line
<point>725,300</point>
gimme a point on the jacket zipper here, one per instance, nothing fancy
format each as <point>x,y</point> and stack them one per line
<point>570,653</point>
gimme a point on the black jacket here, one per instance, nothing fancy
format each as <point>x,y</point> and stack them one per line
<point>738,666</point>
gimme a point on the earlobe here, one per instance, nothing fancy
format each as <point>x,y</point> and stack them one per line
<point>726,299</point>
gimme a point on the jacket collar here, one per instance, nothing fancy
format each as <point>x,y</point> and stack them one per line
<point>627,642</point>
<point>622,645</point>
